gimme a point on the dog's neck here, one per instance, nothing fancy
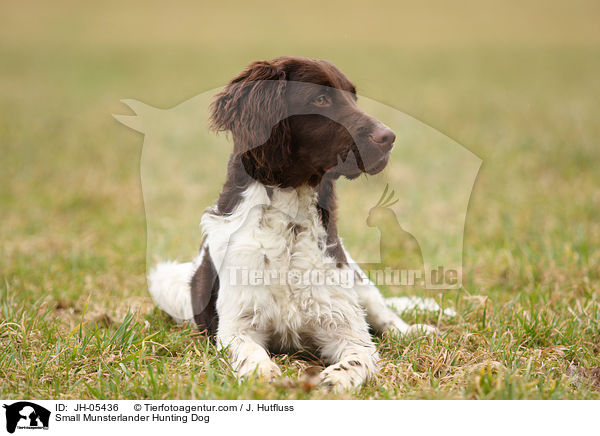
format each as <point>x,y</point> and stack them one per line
<point>238,181</point>
<point>240,174</point>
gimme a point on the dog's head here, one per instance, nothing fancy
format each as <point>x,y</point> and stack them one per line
<point>295,120</point>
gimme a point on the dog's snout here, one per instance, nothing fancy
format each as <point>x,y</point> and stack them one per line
<point>384,137</point>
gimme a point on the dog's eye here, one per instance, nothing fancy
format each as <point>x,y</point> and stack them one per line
<point>322,100</point>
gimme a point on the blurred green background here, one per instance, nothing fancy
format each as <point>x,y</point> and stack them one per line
<point>514,82</point>
<point>517,83</point>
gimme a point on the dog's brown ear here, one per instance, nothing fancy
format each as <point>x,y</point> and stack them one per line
<point>252,106</point>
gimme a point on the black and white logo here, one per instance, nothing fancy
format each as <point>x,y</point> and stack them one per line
<point>26,415</point>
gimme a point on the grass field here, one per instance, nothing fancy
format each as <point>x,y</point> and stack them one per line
<point>516,83</point>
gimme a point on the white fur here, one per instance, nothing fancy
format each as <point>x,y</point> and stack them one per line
<point>406,304</point>
<point>169,285</point>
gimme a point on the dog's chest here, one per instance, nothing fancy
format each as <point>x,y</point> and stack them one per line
<point>295,265</point>
<point>279,244</point>
<point>290,233</point>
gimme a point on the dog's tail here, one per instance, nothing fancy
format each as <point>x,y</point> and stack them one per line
<point>170,286</point>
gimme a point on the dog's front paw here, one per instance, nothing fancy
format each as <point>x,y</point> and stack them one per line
<point>343,376</point>
<point>264,369</point>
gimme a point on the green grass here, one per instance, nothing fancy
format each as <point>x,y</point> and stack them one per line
<point>516,85</point>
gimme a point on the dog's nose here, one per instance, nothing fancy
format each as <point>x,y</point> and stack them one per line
<point>384,137</point>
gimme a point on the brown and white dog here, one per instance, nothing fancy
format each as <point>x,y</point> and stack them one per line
<point>296,128</point>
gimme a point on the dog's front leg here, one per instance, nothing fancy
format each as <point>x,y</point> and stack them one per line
<point>246,350</point>
<point>379,316</point>
<point>354,356</point>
